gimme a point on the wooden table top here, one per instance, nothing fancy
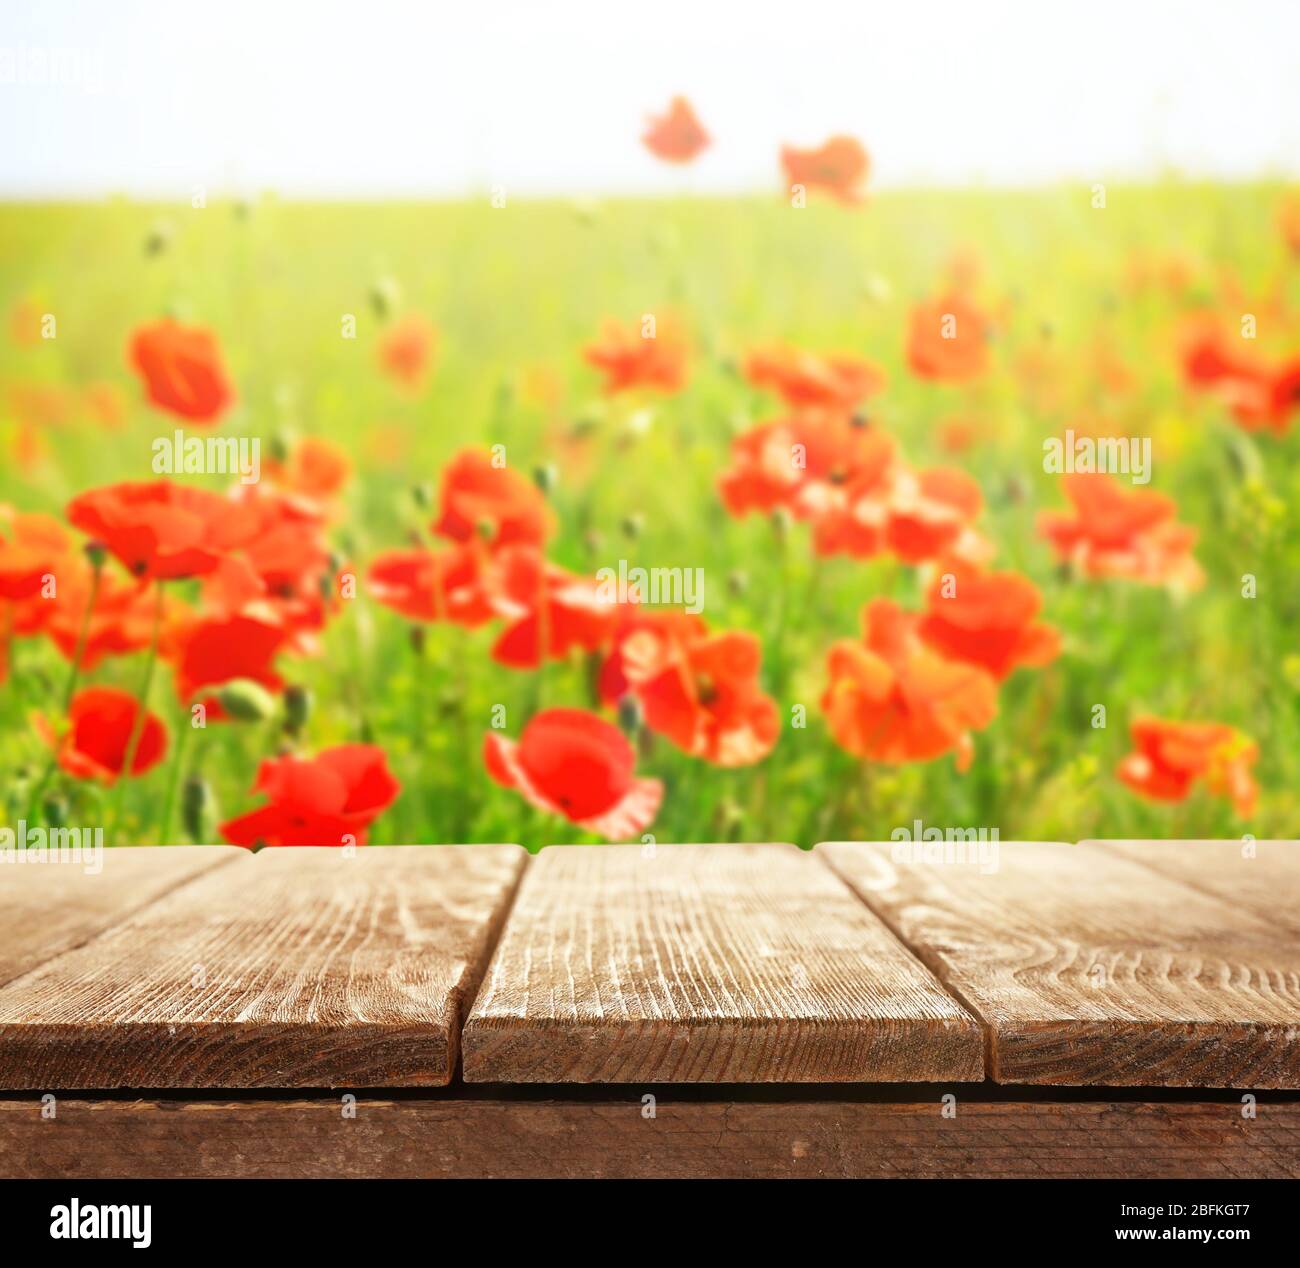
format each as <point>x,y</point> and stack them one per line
<point>1156,964</point>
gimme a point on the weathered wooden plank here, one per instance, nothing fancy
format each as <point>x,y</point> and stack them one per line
<point>1091,969</point>
<point>706,963</point>
<point>47,908</point>
<point>451,1136</point>
<point>1261,876</point>
<point>288,968</point>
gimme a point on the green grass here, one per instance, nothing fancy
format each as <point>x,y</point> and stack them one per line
<point>521,289</point>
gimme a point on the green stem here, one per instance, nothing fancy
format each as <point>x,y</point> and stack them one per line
<point>137,727</point>
<point>83,636</point>
<point>74,676</point>
<point>173,783</point>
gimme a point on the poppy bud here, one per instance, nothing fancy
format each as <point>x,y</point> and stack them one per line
<point>737,582</point>
<point>55,810</point>
<point>545,476</point>
<point>385,297</point>
<point>297,708</point>
<point>629,713</point>
<point>633,525</point>
<point>198,810</point>
<point>422,495</point>
<point>158,238</point>
<point>781,522</point>
<point>730,815</point>
<point>418,638</point>
<point>281,443</point>
<point>96,552</point>
<point>246,701</point>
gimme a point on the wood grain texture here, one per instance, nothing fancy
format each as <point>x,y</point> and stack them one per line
<point>1091,969</point>
<point>705,963</point>
<point>288,968</point>
<point>1263,877</point>
<point>49,908</point>
<point>450,1137</point>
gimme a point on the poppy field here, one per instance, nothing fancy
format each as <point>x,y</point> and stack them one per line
<point>764,518</point>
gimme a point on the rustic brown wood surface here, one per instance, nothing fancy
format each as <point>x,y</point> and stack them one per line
<point>48,908</point>
<point>706,963</point>
<point>288,968</point>
<point>1089,968</point>
<point>833,1134</point>
<point>1261,876</point>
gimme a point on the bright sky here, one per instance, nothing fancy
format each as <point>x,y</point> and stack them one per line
<point>375,97</point>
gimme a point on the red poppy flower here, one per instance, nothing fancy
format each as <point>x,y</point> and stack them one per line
<point>931,513</point>
<point>987,619</point>
<point>1119,532</point>
<point>803,379</point>
<point>275,563</point>
<point>1257,394</point>
<point>422,585</point>
<point>25,323</point>
<point>893,699</point>
<point>160,531</point>
<point>327,800</point>
<point>105,404</point>
<point>817,465</point>
<point>496,504</point>
<point>698,690</point>
<point>182,370</point>
<point>315,468</point>
<point>42,404</point>
<point>405,351</point>
<point>630,359</point>
<point>120,623</point>
<point>948,340</point>
<point>32,547</point>
<point>101,722</point>
<point>1171,756</point>
<point>677,136</point>
<point>571,763</point>
<point>840,167</point>
<point>551,612</point>
<point>211,649</point>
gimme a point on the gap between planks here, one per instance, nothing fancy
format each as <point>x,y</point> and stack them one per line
<point>289,968</point>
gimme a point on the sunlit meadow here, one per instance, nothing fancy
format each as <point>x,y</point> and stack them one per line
<point>1088,303</point>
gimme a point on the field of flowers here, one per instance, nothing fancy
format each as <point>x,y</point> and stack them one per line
<point>473,415</point>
